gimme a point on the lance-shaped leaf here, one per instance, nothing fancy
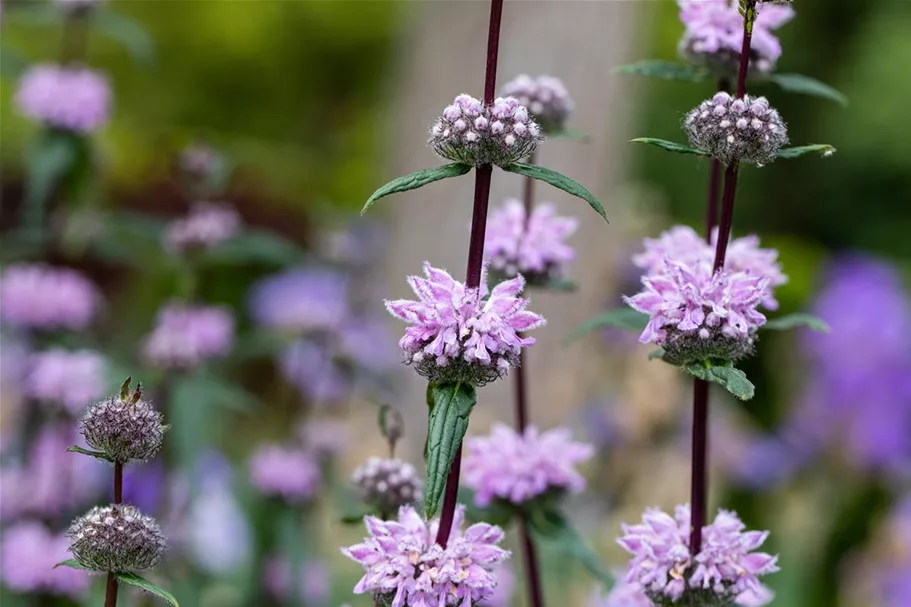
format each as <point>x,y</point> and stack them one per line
<point>666,70</point>
<point>621,318</point>
<point>794,321</point>
<point>798,83</point>
<point>417,180</point>
<point>571,134</point>
<point>140,582</point>
<point>725,374</point>
<point>559,181</point>
<point>446,427</point>
<point>816,148</point>
<point>98,454</point>
<point>670,146</point>
<point>551,528</point>
<point>72,564</point>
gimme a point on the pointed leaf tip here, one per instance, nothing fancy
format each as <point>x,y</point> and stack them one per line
<point>671,146</point>
<point>559,181</point>
<point>125,388</point>
<point>72,564</point>
<point>798,83</point>
<point>144,584</point>
<point>825,150</point>
<point>417,180</point>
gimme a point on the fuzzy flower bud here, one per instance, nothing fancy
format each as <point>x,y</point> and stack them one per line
<point>695,315</point>
<point>461,334</point>
<point>546,98</point>
<point>116,538</point>
<point>533,246</point>
<point>387,483</point>
<point>470,133</point>
<point>125,427</point>
<point>75,99</point>
<point>737,130</point>
<point>206,226</point>
<point>727,569</point>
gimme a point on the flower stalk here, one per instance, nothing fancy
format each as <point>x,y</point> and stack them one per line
<point>700,440</point>
<point>110,594</point>
<point>483,176</point>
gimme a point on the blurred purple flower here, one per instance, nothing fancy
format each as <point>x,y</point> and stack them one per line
<point>185,335</point>
<point>324,437</point>
<point>144,485</point>
<point>205,226</point>
<point>76,99</point>
<point>546,98</point>
<point>289,473</point>
<point>859,389</point>
<point>726,567</point>
<point>71,379</point>
<point>314,580</point>
<point>519,467</point>
<point>505,589</point>
<point>534,247</point>
<point>457,334</point>
<point>217,534</point>
<point>404,566</point>
<point>28,553</point>
<point>623,594</point>
<point>357,245</point>
<point>39,296</point>
<point>367,343</point>
<point>301,300</point>
<point>311,368</point>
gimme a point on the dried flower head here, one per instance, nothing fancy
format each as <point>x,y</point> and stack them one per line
<point>737,130</point>
<point>291,474</point>
<point>681,243</point>
<point>387,484</point>
<point>207,225</point>
<point>38,296</point>
<point>724,569</point>
<point>460,334</point>
<point>185,335</point>
<point>714,35</point>
<point>533,246</point>
<point>695,315</point>
<point>124,427</point>
<point>75,99</point>
<point>116,538</point>
<point>520,467</point>
<point>470,133</point>
<point>403,567</point>
<point>546,98</point>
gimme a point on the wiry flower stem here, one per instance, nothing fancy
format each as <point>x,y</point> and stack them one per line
<point>483,176</point>
<point>699,482</point>
<point>110,595</point>
<point>711,220</point>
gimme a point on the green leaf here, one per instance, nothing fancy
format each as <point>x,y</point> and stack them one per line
<point>256,246</point>
<point>798,83</point>
<point>621,318</point>
<point>126,31</point>
<point>46,163</point>
<point>417,180</point>
<point>550,527</point>
<point>558,180</point>
<point>98,454</point>
<point>670,146</point>
<point>144,584</point>
<point>571,134</point>
<point>820,148</point>
<point>793,321</point>
<point>72,564</point>
<point>446,427</point>
<point>657,354</point>
<point>666,70</point>
<point>734,380</point>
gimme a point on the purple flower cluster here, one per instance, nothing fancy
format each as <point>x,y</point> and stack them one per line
<point>714,35</point>
<point>207,225</point>
<point>28,553</point>
<point>546,98</point>
<point>470,133</point>
<point>725,568</point>
<point>290,473</point>
<point>520,467</point>
<point>313,580</point>
<point>532,246</point>
<point>623,594</point>
<point>301,300</point>
<point>310,367</point>
<point>737,130</point>
<point>681,243</point>
<point>460,334</point>
<point>185,335</point>
<point>695,315</point>
<point>404,567</point>
<point>37,296</point>
<point>64,378</point>
<point>75,99</point>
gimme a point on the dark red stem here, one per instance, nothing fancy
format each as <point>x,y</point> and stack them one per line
<point>699,483</point>
<point>110,594</point>
<point>493,51</point>
<point>532,574</point>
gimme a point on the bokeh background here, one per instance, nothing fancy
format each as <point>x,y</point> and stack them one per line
<point>299,109</point>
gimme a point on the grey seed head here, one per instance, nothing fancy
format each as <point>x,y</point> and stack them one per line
<point>126,429</point>
<point>116,538</point>
<point>387,483</point>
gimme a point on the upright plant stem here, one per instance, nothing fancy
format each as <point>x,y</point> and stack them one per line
<point>110,595</point>
<point>699,481</point>
<point>711,219</point>
<point>475,252</point>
